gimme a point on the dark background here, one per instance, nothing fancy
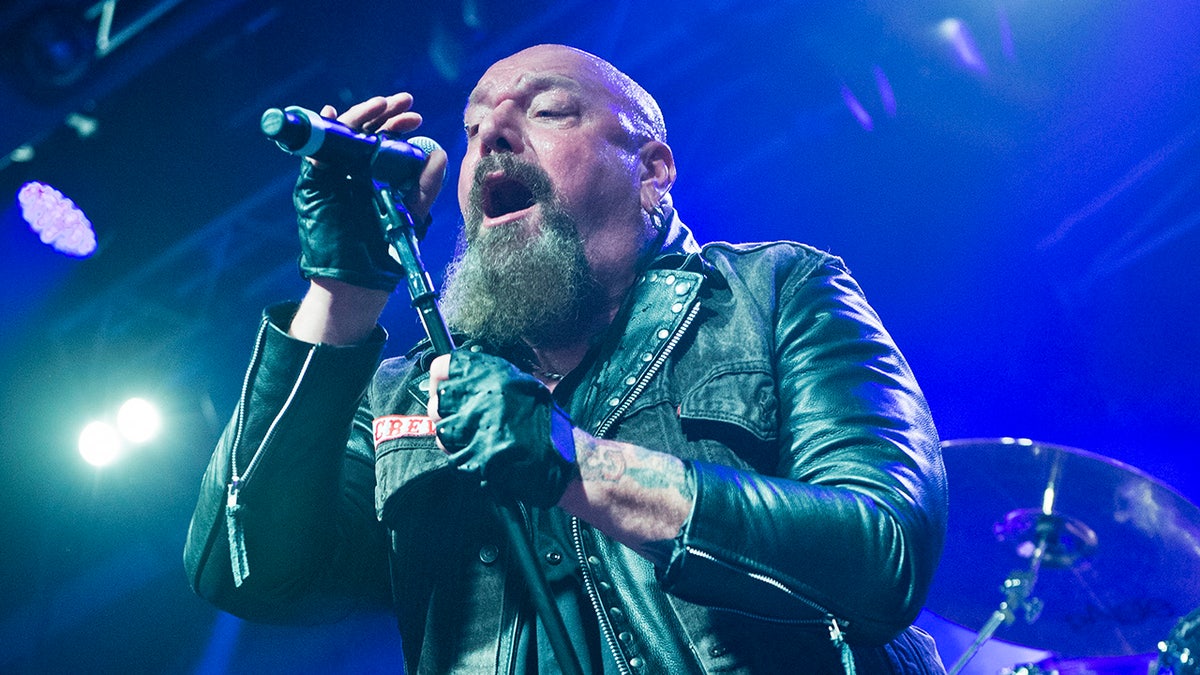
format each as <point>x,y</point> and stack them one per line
<point>1025,222</point>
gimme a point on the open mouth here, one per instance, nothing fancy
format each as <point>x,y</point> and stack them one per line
<point>504,194</point>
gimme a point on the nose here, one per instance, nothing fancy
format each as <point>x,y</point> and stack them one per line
<point>499,130</point>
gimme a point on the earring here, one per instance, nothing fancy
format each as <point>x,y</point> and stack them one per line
<point>658,217</point>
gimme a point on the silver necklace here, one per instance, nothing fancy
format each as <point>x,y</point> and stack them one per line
<point>544,374</point>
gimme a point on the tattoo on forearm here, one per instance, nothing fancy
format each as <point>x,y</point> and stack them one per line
<point>642,498</point>
<point>665,473</point>
<point>653,477</point>
<point>601,463</point>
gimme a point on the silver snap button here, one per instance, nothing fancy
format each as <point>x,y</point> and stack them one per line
<point>488,554</point>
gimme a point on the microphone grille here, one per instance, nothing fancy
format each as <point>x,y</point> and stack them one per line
<point>425,143</point>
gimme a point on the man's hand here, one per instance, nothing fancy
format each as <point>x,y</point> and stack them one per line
<point>340,235</point>
<point>343,251</point>
<point>502,425</point>
<point>393,115</point>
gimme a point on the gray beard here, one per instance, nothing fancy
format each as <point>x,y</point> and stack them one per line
<point>506,285</point>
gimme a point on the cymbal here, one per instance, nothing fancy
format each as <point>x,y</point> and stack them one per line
<point>1137,664</point>
<point>1118,551</point>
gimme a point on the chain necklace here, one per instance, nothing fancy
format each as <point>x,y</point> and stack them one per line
<point>545,374</point>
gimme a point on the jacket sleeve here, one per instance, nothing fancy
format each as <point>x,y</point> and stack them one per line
<point>852,525</point>
<point>284,529</point>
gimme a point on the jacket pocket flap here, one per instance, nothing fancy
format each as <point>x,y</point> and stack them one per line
<point>742,394</point>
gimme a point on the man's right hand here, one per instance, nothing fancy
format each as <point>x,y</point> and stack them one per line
<point>343,251</point>
<point>339,231</point>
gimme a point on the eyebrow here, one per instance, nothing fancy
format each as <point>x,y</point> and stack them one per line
<point>530,83</point>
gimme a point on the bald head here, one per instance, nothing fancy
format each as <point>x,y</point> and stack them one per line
<point>636,109</point>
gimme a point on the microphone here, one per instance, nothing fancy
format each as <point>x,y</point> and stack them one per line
<point>303,132</point>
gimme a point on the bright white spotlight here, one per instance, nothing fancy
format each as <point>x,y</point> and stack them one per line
<point>138,420</point>
<point>99,443</point>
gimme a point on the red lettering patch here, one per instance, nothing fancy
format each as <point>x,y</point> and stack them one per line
<point>390,427</point>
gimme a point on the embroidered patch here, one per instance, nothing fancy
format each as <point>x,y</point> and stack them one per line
<point>391,427</point>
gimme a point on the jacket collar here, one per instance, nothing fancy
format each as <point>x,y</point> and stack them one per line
<point>679,251</point>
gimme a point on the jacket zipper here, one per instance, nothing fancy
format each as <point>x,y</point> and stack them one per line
<point>644,381</point>
<point>240,562</point>
<point>589,583</point>
<point>836,634</point>
<point>839,641</point>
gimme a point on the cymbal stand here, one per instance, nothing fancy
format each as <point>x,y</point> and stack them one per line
<point>1017,589</point>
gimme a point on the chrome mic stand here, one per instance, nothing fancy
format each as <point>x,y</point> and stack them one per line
<point>398,229</point>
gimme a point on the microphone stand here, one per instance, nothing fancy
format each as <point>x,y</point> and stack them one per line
<point>398,229</point>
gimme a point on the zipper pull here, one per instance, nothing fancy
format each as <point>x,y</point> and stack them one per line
<point>839,641</point>
<point>237,539</point>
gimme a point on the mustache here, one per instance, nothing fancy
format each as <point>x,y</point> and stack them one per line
<point>513,170</point>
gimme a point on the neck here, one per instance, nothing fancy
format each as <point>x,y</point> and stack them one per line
<point>552,365</point>
<point>557,354</point>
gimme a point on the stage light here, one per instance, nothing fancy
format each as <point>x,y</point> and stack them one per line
<point>887,96</point>
<point>99,443</point>
<point>84,126</point>
<point>956,34</point>
<point>856,108</point>
<point>138,420</point>
<point>56,219</point>
<point>22,153</point>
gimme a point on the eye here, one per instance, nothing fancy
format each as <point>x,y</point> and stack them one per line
<point>553,105</point>
<point>471,130</point>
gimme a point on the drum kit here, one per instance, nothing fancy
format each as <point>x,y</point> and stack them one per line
<point>1067,551</point>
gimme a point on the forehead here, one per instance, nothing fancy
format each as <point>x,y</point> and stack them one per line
<point>532,72</point>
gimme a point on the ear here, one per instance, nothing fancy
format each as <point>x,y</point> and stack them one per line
<point>657,175</point>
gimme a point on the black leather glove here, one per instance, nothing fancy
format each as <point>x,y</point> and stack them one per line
<point>502,425</point>
<point>340,236</point>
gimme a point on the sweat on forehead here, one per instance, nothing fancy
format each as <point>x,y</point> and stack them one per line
<point>638,110</point>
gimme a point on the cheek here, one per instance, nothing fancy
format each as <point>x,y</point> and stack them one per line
<point>603,182</point>
<point>465,174</point>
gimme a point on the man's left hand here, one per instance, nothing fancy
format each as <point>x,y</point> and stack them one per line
<point>502,425</point>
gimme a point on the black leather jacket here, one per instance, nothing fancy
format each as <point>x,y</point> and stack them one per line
<point>820,505</point>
